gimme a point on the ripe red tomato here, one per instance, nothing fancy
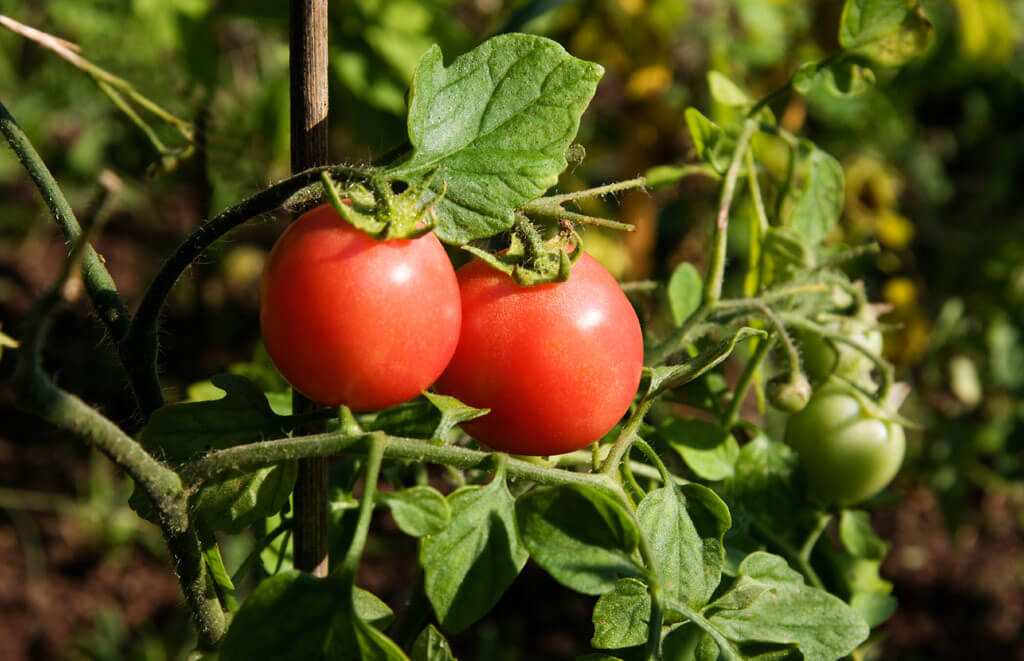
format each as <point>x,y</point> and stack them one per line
<point>354,321</point>
<point>557,364</point>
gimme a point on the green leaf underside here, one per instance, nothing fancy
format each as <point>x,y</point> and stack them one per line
<point>418,511</point>
<point>296,616</point>
<point>469,565</point>
<point>786,612</point>
<point>497,122</point>
<point>581,536</point>
<point>707,448</point>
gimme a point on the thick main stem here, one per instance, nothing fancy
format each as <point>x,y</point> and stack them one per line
<point>308,67</point>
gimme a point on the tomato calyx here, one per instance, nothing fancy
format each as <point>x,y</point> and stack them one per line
<point>530,260</point>
<point>382,213</point>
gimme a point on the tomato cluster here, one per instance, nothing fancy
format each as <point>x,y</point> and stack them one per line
<point>352,321</point>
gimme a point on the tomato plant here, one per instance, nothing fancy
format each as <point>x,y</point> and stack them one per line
<point>693,531</point>
<point>848,452</point>
<point>329,292</point>
<point>532,354</point>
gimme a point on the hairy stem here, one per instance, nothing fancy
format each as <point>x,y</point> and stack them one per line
<point>716,268</point>
<point>374,457</point>
<point>626,437</point>
<point>254,455</point>
<point>732,413</point>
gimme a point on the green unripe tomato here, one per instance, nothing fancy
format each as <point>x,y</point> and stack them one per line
<point>822,358</point>
<point>848,453</point>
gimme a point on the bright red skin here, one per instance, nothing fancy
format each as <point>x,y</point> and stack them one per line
<point>354,321</point>
<point>557,364</point>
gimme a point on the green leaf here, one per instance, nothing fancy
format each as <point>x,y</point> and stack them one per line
<point>688,642</point>
<point>183,431</point>
<point>765,483</point>
<point>817,200</point>
<point>713,145</point>
<point>887,32</point>
<point>431,645</point>
<point>874,607</point>
<point>232,504</point>
<point>725,91</point>
<point>295,616</point>
<point>583,537</point>
<point>418,511</point>
<point>453,412</point>
<point>684,527</point>
<point>179,432</point>
<point>371,609</point>
<point>470,564</point>
<point>843,78</point>
<point>621,616</point>
<point>684,292</point>
<point>788,612</point>
<point>416,419</point>
<point>707,448</point>
<point>497,122</point>
<point>859,537</point>
<point>666,377</point>
<point>598,656</point>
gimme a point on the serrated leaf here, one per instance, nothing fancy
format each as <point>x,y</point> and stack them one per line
<point>431,645</point>
<point>888,32</point>
<point>817,198</point>
<point>684,292</point>
<point>672,376</point>
<point>821,625</point>
<point>621,616</point>
<point>684,527</point>
<point>713,145</point>
<point>295,616</point>
<point>469,565</point>
<point>707,448</point>
<point>497,122</point>
<point>453,412</point>
<point>580,535</point>
<point>725,91</point>
<point>859,537</point>
<point>418,511</point>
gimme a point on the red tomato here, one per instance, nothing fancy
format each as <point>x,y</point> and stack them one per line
<point>350,320</point>
<point>557,364</point>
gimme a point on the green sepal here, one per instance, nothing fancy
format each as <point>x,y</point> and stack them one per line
<point>529,260</point>
<point>382,213</point>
